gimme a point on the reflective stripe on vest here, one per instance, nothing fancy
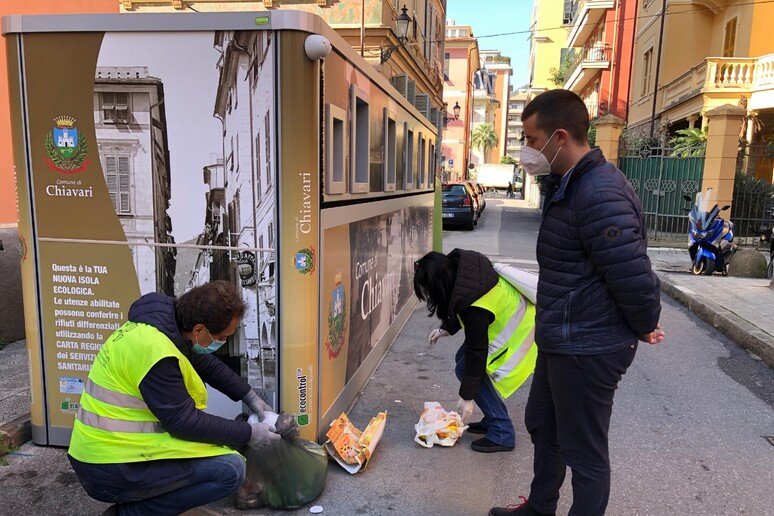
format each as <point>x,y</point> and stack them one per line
<point>504,336</point>
<point>118,425</point>
<point>112,397</point>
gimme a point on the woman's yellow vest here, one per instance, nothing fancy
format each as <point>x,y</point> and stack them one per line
<point>113,423</point>
<point>512,351</point>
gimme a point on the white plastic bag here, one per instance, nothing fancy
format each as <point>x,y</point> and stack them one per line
<point>436,426</point>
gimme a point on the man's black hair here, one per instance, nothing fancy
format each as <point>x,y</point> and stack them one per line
<point>559,109</point>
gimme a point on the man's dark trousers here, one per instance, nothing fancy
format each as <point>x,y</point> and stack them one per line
<point>568,417</point>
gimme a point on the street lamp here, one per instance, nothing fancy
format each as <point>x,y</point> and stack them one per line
<point>456,110</point>
<point>402,22</point>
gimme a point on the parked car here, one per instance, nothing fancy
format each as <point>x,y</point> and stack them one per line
<point>458,205</point>
<point>476,197</point>
<point>481,195</point>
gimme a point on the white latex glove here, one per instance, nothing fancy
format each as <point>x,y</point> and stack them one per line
<point>262,434</point>
<point>435,335</point>
<point>465,409</point>
<point>256,404</point>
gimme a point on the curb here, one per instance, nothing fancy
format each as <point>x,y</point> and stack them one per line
<point>15,433</point>
<point>746,335</point>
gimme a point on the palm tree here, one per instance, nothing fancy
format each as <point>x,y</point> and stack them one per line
<point>484,138</point>
<point>689,142</point>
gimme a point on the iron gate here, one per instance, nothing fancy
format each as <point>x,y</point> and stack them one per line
<point>752,192</point>
<point>661,178</point>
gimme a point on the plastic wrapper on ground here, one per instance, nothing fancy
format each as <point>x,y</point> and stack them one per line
<point>437,426</point>
<point>350,447</point>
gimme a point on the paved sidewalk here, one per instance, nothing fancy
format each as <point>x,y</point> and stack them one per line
<point>741,308</point>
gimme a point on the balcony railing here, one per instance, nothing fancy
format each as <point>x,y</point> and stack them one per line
<point>591,55</point>
<point>586,15</point>
<point>721,75</point>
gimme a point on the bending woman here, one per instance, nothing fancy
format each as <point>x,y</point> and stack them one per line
<point>464,291</point>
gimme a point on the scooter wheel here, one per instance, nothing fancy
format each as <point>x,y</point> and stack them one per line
<point>699,267</point>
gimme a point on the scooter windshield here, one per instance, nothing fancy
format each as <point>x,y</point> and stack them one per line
<point>704,210</point>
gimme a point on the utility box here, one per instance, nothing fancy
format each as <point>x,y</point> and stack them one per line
<point>158,152</point>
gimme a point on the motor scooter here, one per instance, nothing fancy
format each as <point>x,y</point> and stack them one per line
<point>710,238</point>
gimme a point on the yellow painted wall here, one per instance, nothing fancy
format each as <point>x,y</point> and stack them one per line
<point>548,54</point>
<point>761,41</point>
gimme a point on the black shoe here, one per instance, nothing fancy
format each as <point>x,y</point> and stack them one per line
<point>484,445</point>
<point>476,428</point>
<point>522,509</point>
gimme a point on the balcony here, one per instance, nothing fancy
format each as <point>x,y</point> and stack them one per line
<point>586,65</point>
<point>721,76</point>
<point>586,18</point>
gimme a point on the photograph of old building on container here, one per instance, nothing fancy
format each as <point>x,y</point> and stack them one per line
<point>190,163</point>
<point>131,127</point>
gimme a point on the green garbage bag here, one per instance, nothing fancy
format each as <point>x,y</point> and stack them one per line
<point>286,474</point>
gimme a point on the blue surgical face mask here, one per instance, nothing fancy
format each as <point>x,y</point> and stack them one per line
<point>212,348</point>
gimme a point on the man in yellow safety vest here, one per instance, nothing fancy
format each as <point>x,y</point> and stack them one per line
<point>141,440</point>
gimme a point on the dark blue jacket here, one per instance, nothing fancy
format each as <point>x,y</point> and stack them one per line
<point>596,291</point>
<point>164,391</point>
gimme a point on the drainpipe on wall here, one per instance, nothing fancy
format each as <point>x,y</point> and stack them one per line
<point>658,66</point>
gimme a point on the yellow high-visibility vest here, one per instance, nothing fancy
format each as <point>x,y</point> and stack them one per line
<point>113,423</point>
<point>512,351</point>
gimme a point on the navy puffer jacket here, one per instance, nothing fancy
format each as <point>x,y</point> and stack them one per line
<point>597,290</point>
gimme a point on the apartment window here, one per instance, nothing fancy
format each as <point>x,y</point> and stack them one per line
<point>446,59</point>
<point>408,158</point>
<point>647,61</point>
<point>115,107</point>
<point>270,233</point>
<point>431,166</point>
<point>390,152</point>
<point>335,182</point>
<point>267,142</point>
<point>258,166</point>
<point>729,40</point>
<point>359,141</point>
<point>421,161</point>
<point>118,174</point>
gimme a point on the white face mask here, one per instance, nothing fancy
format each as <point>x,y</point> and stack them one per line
<point>534,162</point>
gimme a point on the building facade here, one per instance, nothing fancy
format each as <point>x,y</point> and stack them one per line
<point>461,64</point>
<point>499,69</point>
<point>485,108</point>
<point>598,54</point>
<point>131,128</point>
<point>515,132</point>
<point>550,19</point>
<point>369,26</point>
<point>726,57</point>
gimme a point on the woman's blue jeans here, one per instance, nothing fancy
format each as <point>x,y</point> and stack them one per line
<point>211,479</point>
<point>498,424</point>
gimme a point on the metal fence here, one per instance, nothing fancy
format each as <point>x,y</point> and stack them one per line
<point>661,178</point>
<point>752,191</point>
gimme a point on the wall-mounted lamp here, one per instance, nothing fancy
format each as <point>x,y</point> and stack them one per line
<point>456,110</point>
<point>402,22</point>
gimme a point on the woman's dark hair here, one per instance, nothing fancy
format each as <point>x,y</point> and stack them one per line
<point>434,276</point>
<point>213,304</point>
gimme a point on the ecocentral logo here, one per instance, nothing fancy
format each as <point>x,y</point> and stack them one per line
<point>303,416</point>
<point>66,147</point>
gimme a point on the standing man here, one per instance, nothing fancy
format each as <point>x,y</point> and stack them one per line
<point>597,296</point>
<point>141,440</point>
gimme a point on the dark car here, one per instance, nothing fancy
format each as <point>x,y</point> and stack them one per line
<point>459,206</point>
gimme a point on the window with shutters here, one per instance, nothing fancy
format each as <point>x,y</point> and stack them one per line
<point>267,142</point>
<point>114,107</point>
<point>729,40</point>
<point>258,166</point>
<point>647,60</point>
<point>118,176</point>
<point>446,59</point>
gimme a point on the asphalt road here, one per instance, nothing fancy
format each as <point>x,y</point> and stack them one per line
<point>686,435</point>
